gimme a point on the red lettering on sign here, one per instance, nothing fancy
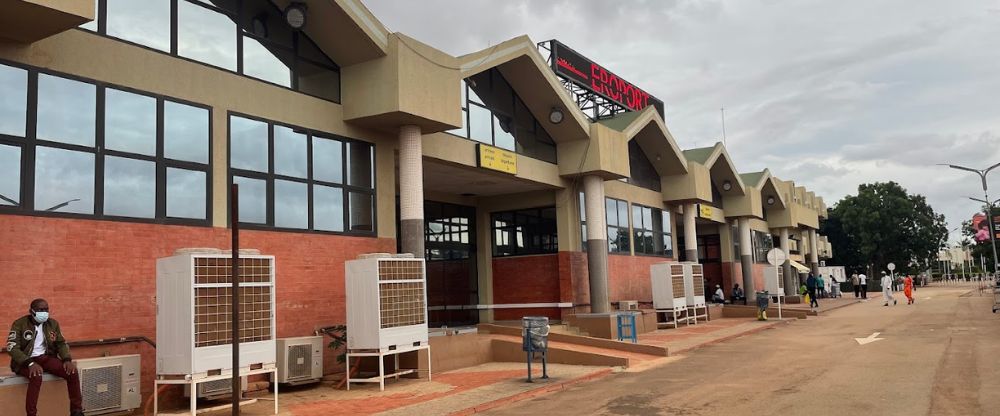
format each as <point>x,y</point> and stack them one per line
<point>569,67</point>
<point>610,85</point>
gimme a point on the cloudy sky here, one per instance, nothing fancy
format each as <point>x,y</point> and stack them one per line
<point>830,94</point>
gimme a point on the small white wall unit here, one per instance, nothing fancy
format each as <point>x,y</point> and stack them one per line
<point>837,272</point>
<point>774,280</point>
<point>110,384</point>
<point>386,303</point>
<point>194,313</point>
<point>300,360</point>
<point>628,305</point>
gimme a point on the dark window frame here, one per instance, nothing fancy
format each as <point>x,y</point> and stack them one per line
<point>618,248</point>
<point>544,249</point>
<point>537,126</point>
<point>29,144</point>
<point>240,33</point>
<point>762,242</point>
<point>657,235</point>
<point>269,177</point>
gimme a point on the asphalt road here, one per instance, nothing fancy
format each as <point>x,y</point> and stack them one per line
<point>937,357</point>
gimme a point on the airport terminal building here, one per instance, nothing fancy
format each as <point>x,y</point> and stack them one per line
<point>533,180</point>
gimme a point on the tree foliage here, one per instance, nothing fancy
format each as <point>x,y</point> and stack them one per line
<point>884,224</point>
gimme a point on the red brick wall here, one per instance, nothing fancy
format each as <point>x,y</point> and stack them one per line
<point>100,276</point>
<point>628,277</point>
<point>737,277</point>
<point>526,279</point>
<point>574,281</point>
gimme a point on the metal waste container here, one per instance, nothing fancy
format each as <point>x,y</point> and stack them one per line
<point>535,338</point>
<point>763,299</point>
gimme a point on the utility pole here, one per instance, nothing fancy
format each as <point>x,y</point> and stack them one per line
<point>989,215</point>
<point>723,111</point>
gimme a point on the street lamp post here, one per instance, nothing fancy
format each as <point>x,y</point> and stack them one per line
<point>982,175</point>
<point>989,217</point>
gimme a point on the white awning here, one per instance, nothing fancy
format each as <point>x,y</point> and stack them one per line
<point>799,266</point>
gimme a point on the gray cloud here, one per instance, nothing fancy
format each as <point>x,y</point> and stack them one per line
<point>828,94</point>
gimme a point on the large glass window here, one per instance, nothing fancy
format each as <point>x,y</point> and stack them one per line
<point>110,166</point>
<point>651,231</point>
<point>641,171</point>
<point>13,100</point>
<point>762,243</point>
<point>618,234</point>
<point>302,186</point>
<point>144,22</point>
<point>493,114</point>
<point>523,232</point>
<point>249,37</point>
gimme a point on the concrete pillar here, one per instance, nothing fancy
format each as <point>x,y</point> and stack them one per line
<point>790,282</point>
<point>411,191</point>
<point>746,257</point>
<point>690,233</point>
<point>597,243</point>
<point>813,253</point>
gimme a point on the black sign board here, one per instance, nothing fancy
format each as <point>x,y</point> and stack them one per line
<point>582,71</point>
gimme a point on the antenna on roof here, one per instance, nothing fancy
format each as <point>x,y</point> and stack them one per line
<point>723,111</point>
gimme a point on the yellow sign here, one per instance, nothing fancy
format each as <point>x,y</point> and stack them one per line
<point>705,211</point>
<point>497,159</point>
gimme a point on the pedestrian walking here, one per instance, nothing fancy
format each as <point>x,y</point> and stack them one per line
<point>856,284</point>
<point>887,289</point>
<point>864,285</point>
<point>820,286</point>
<point>908,290</point>
<point>811,283</point>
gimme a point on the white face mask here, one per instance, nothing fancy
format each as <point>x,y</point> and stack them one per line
<point>40,317</point>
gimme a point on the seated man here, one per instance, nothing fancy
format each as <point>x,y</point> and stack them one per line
<point>35,345</point>
<point>738,294</point>
<point>718,296</point>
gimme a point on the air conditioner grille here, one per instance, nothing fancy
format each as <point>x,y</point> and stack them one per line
<point>299,361</point>
<point>101,388</point>
<point>214,387</point>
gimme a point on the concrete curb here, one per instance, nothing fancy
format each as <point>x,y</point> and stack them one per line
<point>733,336</point>
<point>530,394</point>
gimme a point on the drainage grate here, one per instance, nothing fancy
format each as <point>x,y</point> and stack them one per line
<point>216,387</point>
<point>101,388</point>
<point>299,361</point>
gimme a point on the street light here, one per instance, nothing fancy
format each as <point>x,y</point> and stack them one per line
<point>989,215</point>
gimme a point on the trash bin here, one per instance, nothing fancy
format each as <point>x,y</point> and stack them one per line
<point>763,298</point>
<point>535,338</point>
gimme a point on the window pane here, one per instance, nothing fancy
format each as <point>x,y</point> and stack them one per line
<point>10,175</point>
<point>13,100</point>
<point>129,187</point>
<point>129,122</point>
<point>501,128</point>
<point>186,193</point>
<point>328,160</point>
<point>611,208</point>
<point>253,200</point>
<point>268,65</point>
<point>583,207</point>
<point>636,217</point>
<point>185,132</point>
<point>318,80</point>
<point>480,124</point>
<point>461,131</point>
<point>291,204</point>
<point>64,181</point>
<point>647,218</point>
<point>143,22</point>
<point>248,142</point>
<point>290,153</point>
<point>359,165</point>
<point>328,208</point>
<point>361,212</point>
<point>206,36</point>
<point>622,214</point>
<point>66,110</point>
<point>92,25</point>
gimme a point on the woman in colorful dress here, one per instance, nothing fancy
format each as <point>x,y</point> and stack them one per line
<point>908,289</point>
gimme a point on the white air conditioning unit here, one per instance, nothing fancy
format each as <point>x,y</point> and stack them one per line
<point>216,389</point>
<point>628,305</point>
<point>668,286</point>
<point>300,360</point>
<point>110,384</point>
<point>386,303</point>
<point>822,263</point>
<point>694,284</point>
<point>194,313</point>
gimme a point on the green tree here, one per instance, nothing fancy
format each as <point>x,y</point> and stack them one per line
<point>978,248</point>
<point>884,224</point>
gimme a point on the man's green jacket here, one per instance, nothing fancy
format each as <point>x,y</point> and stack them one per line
<point>21,340</point>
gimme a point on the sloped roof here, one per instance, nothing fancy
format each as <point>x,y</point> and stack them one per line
<point>650,132</point>
<point>700,155</point>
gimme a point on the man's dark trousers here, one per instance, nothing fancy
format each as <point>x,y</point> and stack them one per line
<point>864,291</point>
<point>52,365</point>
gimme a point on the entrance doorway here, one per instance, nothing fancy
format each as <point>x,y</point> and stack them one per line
<point>452,274</point>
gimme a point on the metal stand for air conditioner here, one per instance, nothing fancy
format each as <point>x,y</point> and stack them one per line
<point>381,354</point>
<point>194,381</point>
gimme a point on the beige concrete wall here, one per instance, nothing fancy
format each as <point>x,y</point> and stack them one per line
<point>30,20</point>
<point>760,225</point>
<point>605,154</point>
<point>84,54</point>
<point>695,186</point>
<point>747,205</point>
<point>457,150</point>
